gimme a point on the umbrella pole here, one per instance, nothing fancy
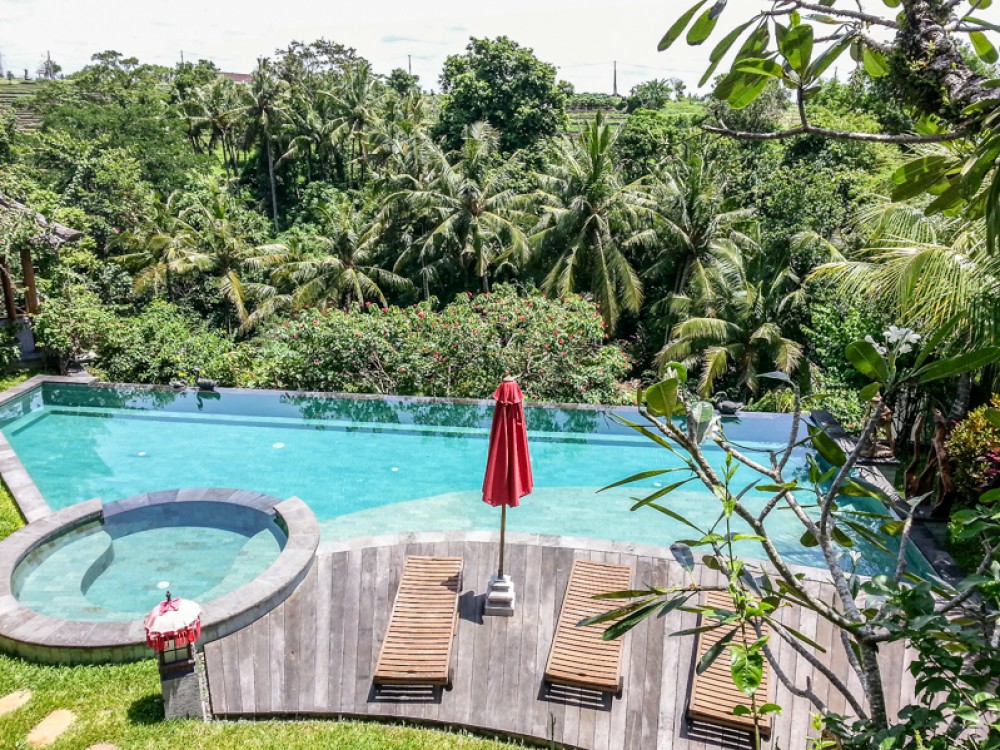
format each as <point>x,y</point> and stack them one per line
<point>503,529</point>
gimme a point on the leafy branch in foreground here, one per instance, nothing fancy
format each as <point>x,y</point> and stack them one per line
<point>951,631</point>
<point>919,49</point>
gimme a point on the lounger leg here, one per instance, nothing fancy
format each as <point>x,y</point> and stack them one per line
<point>451,679</point>
<point>621,688</point>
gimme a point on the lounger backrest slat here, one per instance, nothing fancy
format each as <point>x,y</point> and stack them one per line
<point>713,695</point>
<point>580,657</point>
<point>418,640</point>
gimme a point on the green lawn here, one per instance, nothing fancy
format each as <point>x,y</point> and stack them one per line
<point>121,704</point>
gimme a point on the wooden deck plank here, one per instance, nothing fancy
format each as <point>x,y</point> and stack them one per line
<point>215,676</point>
<point>231,662</point>
<point>261,665</point>
<point>347,665</point>
<point>276,659</point>
<point>366,612</point>
<point>513,631</point>
<point>294,607</point>
<point>244,639</point>
<point>634,698</point>
<point>321,632</point>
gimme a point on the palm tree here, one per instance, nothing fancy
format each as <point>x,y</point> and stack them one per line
<point>345,272</point>
<point>928,273</point>
<point>160,250</point>
<point>731,321</point>
<point>358,100</point>
<point>217,108</point>
<point>264,104</point>
<point>925,271</point>
<point>590,219</point>
<point>692,196</point>
<point>473,217</point>
<point>217,245</point>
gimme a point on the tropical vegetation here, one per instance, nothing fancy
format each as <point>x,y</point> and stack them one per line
<point>795,240</point>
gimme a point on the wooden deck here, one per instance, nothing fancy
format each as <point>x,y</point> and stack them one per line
<point>314,654</point>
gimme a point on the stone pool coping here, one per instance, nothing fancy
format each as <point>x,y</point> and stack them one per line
<point>41,638</point>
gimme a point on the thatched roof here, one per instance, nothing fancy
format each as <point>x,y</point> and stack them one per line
<point>56,233</point>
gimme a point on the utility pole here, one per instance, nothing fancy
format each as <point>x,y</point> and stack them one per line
<point>182,57</point>
<point>614,85</point>
<point>48,65</point>
<point>1,63</point>
<point>409,64</point>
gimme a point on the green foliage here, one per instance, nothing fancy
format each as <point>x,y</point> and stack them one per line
<point>653,94</point>
<point>589,101</point>
<point>833,323</point>
<point>956,662</point>
<point>8,121</point>
<point>10,517</point>
<point>500,82</point>
<point>592,219</point>
<point>555,348</point>
<point>648,137</point>
<point>71,324</point>
<point>402,82</point>
<point>101,180</point>
<point>161,344</point>
<point>763,115</point>
<point>119,96</point>
<point>974,452</point>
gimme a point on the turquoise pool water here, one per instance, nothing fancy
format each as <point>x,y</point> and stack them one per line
<point>117,570</point>
<point>368,466</point>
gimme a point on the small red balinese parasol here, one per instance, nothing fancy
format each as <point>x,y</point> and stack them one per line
<point>508,467</point>
<point>173,623</point>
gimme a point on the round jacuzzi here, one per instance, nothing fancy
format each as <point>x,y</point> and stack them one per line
<point>117,568</point>
<point>75,585</point>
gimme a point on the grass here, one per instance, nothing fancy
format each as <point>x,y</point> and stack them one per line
<point>14,378</point>
<point>121,704</point>
<point>10,516</point>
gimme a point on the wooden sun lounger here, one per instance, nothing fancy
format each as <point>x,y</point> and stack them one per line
<point>714,696</point>
<point>418,641</point>
<point>580,657</point>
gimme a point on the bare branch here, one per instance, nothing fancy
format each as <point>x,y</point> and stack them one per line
<point>830,675</point>
<point>854,15</point>
<point>960,599</point>
<point>904,540</point>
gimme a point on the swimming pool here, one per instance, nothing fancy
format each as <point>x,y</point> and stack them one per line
<point>370,466</point>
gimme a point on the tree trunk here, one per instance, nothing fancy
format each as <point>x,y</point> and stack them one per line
<point>274,189</point>
<point>873,687</point>
<point>935,68</point>
<point>963,394</point>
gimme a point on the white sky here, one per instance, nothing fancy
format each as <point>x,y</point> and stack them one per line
<point>581,37</point>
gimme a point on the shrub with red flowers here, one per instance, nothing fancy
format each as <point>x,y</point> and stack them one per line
<point>556,348</point>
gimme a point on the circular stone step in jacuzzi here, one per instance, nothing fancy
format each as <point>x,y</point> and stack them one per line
<point>75,586</point>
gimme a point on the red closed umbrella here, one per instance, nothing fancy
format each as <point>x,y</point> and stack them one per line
<point>508,466</point>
